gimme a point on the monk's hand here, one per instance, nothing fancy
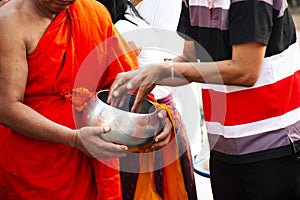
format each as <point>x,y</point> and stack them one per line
<point>80,98</point>
<point>88,140</point>
<point>163,138</point>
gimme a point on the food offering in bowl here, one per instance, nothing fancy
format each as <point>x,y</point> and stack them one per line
<point>128,128</point>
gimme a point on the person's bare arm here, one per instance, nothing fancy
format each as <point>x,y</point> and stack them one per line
<point>13,77</point>
<point>242,70</point>
<point>16,115</point>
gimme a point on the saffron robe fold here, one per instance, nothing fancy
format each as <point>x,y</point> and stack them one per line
<point>164,174</point>
<point>34,169</point>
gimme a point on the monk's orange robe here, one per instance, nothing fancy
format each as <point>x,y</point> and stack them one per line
<point>33,169</point>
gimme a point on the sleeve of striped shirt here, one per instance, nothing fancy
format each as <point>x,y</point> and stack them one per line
<point>184,27</point>
<point>250,21</point>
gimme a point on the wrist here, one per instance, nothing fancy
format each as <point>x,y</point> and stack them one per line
<point>171,66</point>
<point>76,141</point>
<point>71,138</point>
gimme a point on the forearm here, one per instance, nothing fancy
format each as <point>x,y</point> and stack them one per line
<point>199,72</point>
<point>241,69</point>
<point>28,122</point>
<point>222,72</point>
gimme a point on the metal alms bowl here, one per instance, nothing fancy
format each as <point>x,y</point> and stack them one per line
<point>131,129</point>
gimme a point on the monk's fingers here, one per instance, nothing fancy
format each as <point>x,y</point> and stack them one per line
<point>163,138</point>
<point>112,151</point>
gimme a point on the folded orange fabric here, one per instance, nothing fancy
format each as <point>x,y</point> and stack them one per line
<point>173,182</point>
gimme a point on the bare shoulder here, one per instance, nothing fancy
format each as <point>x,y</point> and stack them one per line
<point>20,28</point>
<point>9,18</point>
<point>11,27</point>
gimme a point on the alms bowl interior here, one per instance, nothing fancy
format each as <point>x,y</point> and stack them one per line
<point>131,129</point>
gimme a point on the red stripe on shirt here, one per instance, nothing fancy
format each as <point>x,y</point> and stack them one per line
<point>254,104</point>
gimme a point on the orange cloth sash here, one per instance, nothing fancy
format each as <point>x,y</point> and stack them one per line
<point>173,181</point>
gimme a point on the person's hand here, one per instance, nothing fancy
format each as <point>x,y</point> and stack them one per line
<point>88,140</point>
<point>142,79</point>
<point>163,138</point>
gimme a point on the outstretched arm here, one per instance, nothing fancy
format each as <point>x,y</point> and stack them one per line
<point>242,70</point>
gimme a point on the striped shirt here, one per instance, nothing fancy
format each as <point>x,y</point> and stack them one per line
<point>248,123</point>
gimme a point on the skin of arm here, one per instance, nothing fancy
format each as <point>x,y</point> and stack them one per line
<point>14,114</point>
<point>242,70</point>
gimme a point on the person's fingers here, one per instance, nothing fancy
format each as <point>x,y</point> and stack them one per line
<point>119,99</point>
<point>119,89</point>
<point>163,138</point>
<point>104,129</point>
<point>137,105</point>
<point>97,147</point>
<point>141,95</point>
<point>162,114</point>
<point>116,84</point>
<point>161,143</point>
<point>115,148</point>
<point>109,152</point>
